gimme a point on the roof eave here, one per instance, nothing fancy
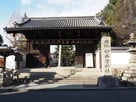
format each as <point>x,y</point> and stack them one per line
<point>18,30</point>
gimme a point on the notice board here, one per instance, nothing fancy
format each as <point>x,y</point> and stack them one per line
<point>89,60</point>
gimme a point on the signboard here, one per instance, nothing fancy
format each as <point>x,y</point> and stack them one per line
<point>106,54</point>
<point>62,41</point>
<point>89,59</point>
<point>10,62</point>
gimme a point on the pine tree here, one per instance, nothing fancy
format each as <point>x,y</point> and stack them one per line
<point>122,15</point>
<point>1,40</point>
<point>108,14</point>
<point>67,55</point>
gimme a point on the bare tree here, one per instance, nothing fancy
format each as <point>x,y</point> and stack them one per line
<point>16,39</point>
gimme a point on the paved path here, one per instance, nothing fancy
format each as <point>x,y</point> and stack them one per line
<point>59,78</point>
<point>55,78</point>
<point>63,92</point>
<point>114,95</point>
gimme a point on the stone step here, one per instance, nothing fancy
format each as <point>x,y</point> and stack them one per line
<point>74,78</point>
<point>64,81</point>
<point>124,78</point>
<point>130,71</point>
<point>77,80</point>
<point>80,79</point>
<point>67,81</point>
<point>63,75</point>
<point>129,74</point>
<point>133,68</point>
<point>91,83</point>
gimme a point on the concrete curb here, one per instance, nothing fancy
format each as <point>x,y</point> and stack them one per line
<point>82,89</point>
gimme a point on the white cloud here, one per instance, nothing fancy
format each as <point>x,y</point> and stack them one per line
<point>2,25</point>
<point>39,6</point>
<point>66,7</point>
<point>59,1</point>
<point>3,33</point>
<point>25,2</point>
<point>62,7</point>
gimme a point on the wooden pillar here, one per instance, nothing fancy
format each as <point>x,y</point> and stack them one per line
<point>79,58</point>
<point>28,45</point>
<point>14,40</point>
<point>94,60</point>
<point>46,52</point>
<point>48,57</point>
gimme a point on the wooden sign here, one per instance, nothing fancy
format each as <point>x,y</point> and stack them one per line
<point>62,41</point>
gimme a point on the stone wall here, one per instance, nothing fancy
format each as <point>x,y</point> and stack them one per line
<point>119,57</point>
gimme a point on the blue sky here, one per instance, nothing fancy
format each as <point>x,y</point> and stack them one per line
<point>36,8</point>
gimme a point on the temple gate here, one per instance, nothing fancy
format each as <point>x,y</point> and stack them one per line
<point>84,32</point>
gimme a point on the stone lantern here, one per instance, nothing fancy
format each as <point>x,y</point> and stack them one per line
<point>132,50</point>
<point>129,74</point>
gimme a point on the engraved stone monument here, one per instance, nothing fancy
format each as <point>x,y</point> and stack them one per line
<point>106,55</point>
<point>106,79</point>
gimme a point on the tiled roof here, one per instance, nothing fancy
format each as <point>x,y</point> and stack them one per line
<point>82,22</point>
<point>60,22</point>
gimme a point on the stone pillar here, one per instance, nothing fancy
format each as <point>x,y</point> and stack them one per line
<point>106,79</point>
<point>106,55</point>
<point>59,60</point>
<point>1,77</point>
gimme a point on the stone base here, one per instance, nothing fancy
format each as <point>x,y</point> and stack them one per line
<point>1,78</point>
<point>132,79</point>
<point>124,78</point>
<point>7,78</point>
<point>129,75</point>
<point>130,71</point>
<point>108,81</point>
<point>7,81</point>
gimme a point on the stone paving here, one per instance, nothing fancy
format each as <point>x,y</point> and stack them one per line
<point>59,78</point>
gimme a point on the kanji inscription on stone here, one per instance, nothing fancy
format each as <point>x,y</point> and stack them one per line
<point>106,54</point>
